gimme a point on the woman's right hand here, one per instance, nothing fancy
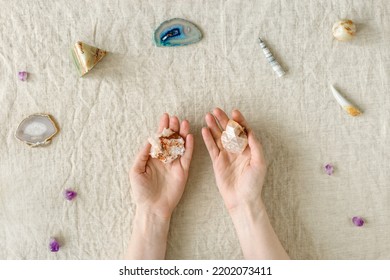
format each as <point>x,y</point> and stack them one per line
<point>239,177</point>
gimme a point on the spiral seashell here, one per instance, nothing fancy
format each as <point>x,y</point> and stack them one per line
<point>271,59</point>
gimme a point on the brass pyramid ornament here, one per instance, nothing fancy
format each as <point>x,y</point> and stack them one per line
<point>85,57</point>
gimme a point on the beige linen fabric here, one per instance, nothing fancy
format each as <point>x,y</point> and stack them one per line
<point>107,116</point>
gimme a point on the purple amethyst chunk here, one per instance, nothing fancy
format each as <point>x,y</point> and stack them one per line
<point>329,169</point>
<point>70,194</point>
<point>358,221</point>
<point>54,246</point>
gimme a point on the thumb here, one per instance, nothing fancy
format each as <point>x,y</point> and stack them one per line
<point>257,153</point>
<point>141,160</point>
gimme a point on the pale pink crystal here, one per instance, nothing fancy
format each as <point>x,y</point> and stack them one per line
<point>234,138</point>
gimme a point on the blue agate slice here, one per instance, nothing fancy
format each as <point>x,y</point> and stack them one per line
<point>176,32</point>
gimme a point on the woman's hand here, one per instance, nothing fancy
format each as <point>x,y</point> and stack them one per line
<point>157,187</point>
<point>239,177</point>
<point>156,190</point>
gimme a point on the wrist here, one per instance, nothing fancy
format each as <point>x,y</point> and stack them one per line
<point>149,236</point>
<point>145,217</point>
<point>248,213</point>
<point>151,226</point>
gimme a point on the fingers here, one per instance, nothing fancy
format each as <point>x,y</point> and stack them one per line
<point>256,149</point>
<point>186,158</point>
<point>238,117</point>
<point>174,123</point>
<point>141,160</point>
<point>214,129</point>
<point>222,118</point>
<point>164,122</point>
<point>211,146</point>
<point>184,128</point>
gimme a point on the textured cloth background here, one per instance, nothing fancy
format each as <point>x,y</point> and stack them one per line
<point>107,116</point>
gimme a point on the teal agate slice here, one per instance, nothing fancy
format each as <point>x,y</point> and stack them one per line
<point>176,32</point>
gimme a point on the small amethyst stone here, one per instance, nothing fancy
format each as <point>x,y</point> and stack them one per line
<point>70,194</point>
<point>358,221</point>
<point>54,246</point>
<point>22,75</point>
<point>329,169</point>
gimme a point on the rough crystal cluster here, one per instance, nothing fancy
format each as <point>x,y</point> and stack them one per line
<point>176,32</point>
<point>234,138</point>
<point>36,130</point>
<point>167,146</point>
<point>85,57</point>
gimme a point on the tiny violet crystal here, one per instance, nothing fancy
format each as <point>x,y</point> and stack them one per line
<point>329,169</point>
<point>176,32</point>
<point>70,194</point>
<point>54,246</point>
<point>358,221</point>
<point>22,75</point>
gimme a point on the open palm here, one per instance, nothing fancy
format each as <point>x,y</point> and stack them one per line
<point>239,177</point>
<point>157,187</point>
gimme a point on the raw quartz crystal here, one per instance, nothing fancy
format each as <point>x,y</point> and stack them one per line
<point>54,245</point>
<point>85,57</point>
<point>167,146</point>
<point>234,138</point>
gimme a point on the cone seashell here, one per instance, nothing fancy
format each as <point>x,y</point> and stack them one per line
<point>234,138</point>
<point>167,146</point>
<point>344,30</point>
<point>85,57</point>
<point>344,103</point>
<point>36,130</point>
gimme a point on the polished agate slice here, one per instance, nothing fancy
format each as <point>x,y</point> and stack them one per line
<point>85,57</point>
<point>176,32</point>
<point>234,138</point>
<point>167,146</point>
<point>36,130</point>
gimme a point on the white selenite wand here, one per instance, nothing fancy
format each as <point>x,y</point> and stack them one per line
<point>271,59</point>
